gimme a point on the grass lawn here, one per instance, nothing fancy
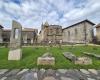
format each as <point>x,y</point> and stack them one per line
<point>30,55</point>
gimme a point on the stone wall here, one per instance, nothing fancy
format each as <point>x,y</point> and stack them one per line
<point>27,36</point>
<point>78,33</point>
<point>98,34</point>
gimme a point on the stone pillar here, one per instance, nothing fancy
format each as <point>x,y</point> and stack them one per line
<point>1,40</point>
<point>32,41</point>
<point>15,52</point>
<point>25,38</point>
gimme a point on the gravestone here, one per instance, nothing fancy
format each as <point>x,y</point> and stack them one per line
<point>77,60</point>
<point>83,60</point>
<point>15,52</point>
<point>70,56</point>
<point>92,55</point>
<point>46,59</point>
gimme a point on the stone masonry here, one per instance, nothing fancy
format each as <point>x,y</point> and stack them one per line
<point>15,52</point>
<point>49,74</point>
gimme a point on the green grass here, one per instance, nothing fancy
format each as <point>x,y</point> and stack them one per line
<point>31,54</point>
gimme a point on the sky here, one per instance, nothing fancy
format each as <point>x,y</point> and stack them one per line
<point>32,13</point>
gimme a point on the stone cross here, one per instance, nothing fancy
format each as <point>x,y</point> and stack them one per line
<point>15,41</point>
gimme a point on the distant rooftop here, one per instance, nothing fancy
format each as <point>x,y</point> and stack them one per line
<point>1,26</point>
<point>28,29</point>
<point>98,25</point>
<point>79,23</point>
<point>24,29</point>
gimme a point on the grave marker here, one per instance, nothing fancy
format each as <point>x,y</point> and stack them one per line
<point>15,52</point>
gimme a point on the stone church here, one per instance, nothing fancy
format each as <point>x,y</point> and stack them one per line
<point>80,32</point>
<point>50,33</point>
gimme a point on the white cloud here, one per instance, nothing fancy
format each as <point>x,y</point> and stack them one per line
<point>31,13</point>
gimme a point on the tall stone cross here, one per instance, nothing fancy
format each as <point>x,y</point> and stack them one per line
<point>15,52</point>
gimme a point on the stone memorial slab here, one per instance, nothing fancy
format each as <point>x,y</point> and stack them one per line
<point>83,60</point>
<point>93,55</point>
<point>77,60</point>
<point>70,56</point>
<point>46,59</point>
<point>15,52</point>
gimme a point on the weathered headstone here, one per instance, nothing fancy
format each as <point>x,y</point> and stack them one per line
<point>15,52</point>
<point>77,60</point>
<point>46,59</point>
<point>70,56</point>
<point>92,55</point>
<point>83,60</point>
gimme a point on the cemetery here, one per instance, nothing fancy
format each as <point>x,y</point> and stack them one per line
<point>47,56</point>
<point>31,54</point>
<point>50,40</point>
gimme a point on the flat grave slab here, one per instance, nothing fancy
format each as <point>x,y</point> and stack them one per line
<point>83,60</point>
<point>77,60</point>
<point>46,59</point>
<point>70,56</point>
<point>92,54</point>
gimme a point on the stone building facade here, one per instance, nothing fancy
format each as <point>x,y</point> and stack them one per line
<point>6,35</point>
<point>98,32</point>
<point>80,32</point>
<point>50,33</point>
<point>29,35</point>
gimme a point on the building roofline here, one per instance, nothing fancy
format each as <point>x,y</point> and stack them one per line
<point>97,26</point>
<point>24,30</point>
<point>54,25</point>
<point>40,32</point>
<point>79,23</point>
<point>1,26</point>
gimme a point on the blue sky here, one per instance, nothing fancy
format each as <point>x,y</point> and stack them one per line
<point>31,13</point>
